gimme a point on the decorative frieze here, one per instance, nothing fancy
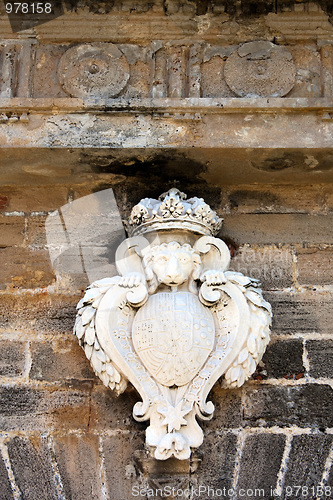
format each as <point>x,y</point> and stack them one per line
<point>160,69</point>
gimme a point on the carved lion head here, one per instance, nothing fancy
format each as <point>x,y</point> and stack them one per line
<point>171,264</point>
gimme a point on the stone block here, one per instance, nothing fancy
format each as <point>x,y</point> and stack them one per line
<point>18,401</point>
<point>271,266</point>
<point>328,188</point>
<point>34,199</point>
<point>284,358</point>
<point>44,71</point>
<point>39,312</point>
<point>32,469</point>
<point>306,463</point>
<point>217,466</point>
<point>213,83</point>
<point>266,229</point>
<point>111,412</point>
<point>12,230</point>
<point>308,75</point>
<point>260,463</point>
<point>79,466</point>
<point>59,361</point>
<point>320,356</point>
<point>25,268</point>
<point>67,409</point>
<point>3,201</point>
<point>42,409</point>
<point>228,409</point>
<point>35,233</point>
<point>315,267</point>
<point>119,465</point>
<point>5,486</point>
<point>12,358</point>
<point>301,312</point>
<point>272,199</point>
<point>305,406</point>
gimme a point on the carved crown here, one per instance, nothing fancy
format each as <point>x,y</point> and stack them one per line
<point>172,211</point>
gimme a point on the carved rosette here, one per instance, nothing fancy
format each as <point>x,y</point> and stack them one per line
<point>93,70</point>
<point>260,69</point>
<point>174,321</point>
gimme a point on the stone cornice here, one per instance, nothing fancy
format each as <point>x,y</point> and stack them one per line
<point>295,25</point>
<point>167,123</point>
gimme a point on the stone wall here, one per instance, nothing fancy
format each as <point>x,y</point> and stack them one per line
<point>60,424</point>
<point>261,158</point>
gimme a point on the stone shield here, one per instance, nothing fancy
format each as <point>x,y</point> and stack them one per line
<point>173,334</point>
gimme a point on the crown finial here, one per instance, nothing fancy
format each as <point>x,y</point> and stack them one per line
<point>172,210</point>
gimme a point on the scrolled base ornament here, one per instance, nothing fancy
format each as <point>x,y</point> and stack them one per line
<point>174,321</point>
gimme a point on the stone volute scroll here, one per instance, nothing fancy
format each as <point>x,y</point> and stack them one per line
<point>174,321</point>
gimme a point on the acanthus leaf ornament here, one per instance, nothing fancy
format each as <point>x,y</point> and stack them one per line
<point>174,321</point>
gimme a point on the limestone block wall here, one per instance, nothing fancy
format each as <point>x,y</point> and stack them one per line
<point>65,436</point>
<point>183,115</point>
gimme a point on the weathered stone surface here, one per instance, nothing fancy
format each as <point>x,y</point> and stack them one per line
<point>228,409</point>
<point>260,69</point>
<point>315,267</point>
<point>35,231</point>
<point>277,199</point>
<point>306,462</point>
<point>308,71</point>
<point>18,401</point>
<point>301,312</point>
<point>271,266</point>
<point>26,409</point>
<point>38,312</point>
<point>212,169</point>
<point>34,199</point>
<point>11,231</point>
<point>171,127</point>
<point>320,356</point>
<point>176,20</point>
<point>25,268</point>
<point>5,485</point>
<point>94,70</point>
<point>260,464</point>
<point>31,470</point>
<point>12,358</point>
<point>120,472</point>
<point>284,358</point>
<point>213,83</point>
<point>111,412</point>
<point>306,406</point>
<point>79,466</point>
<point>59,361</point>
<point>217,466</point>
<point>263,229</point>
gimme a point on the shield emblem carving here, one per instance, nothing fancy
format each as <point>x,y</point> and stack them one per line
<point>174,321</point>
<point>173,334</point>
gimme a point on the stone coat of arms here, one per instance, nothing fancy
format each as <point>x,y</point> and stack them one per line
<point>174,321</point>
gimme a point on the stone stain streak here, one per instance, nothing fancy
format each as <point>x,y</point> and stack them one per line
<point>184,116</point>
